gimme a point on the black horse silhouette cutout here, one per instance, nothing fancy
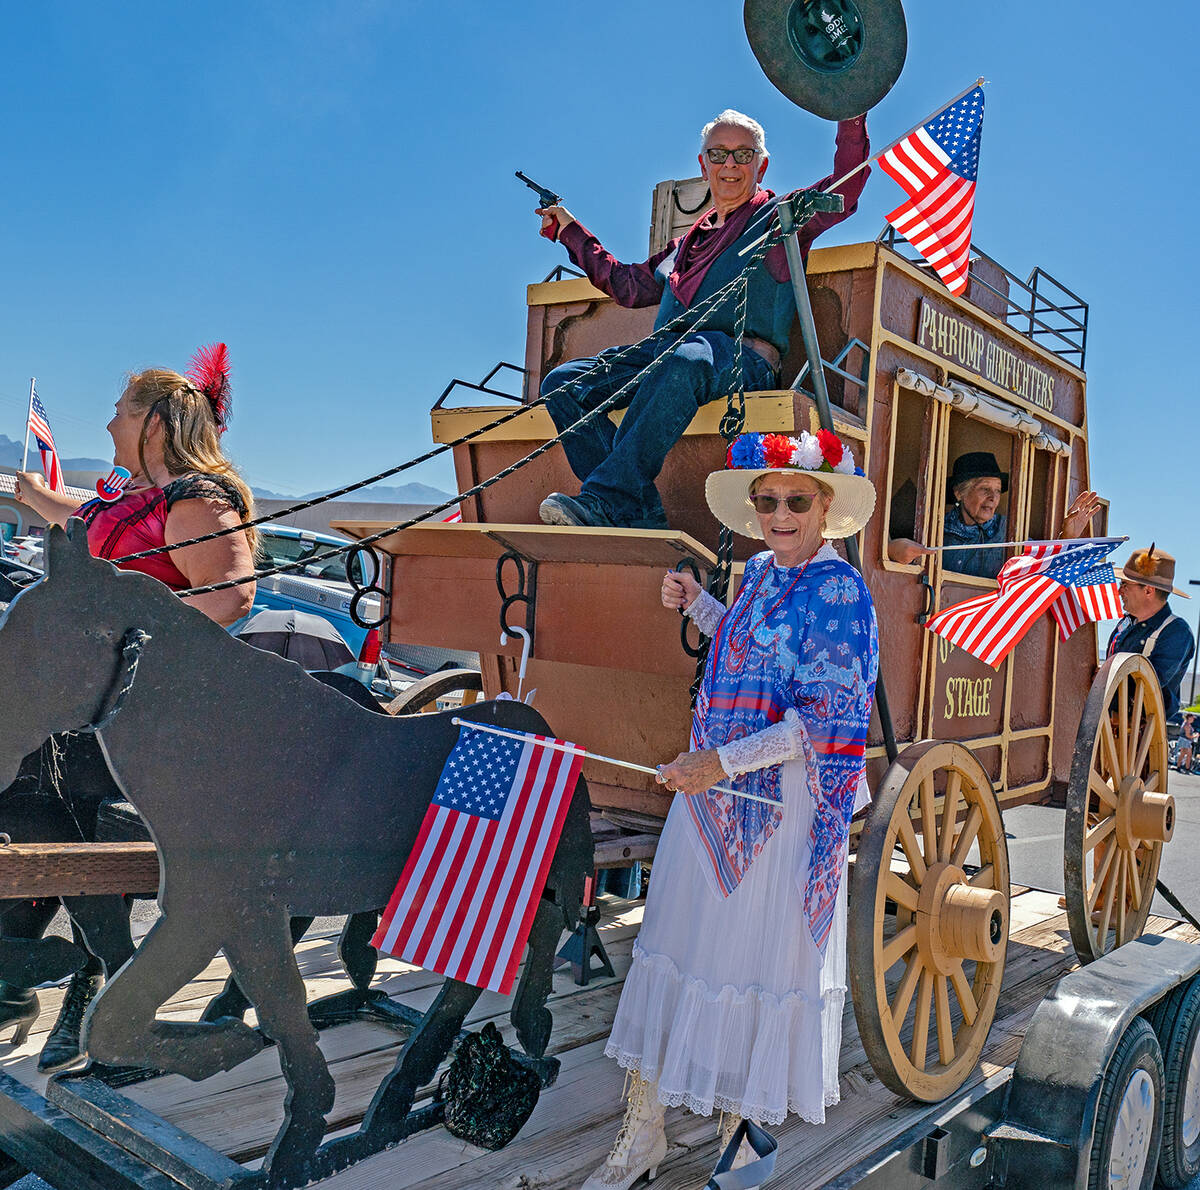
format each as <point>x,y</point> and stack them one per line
<point>269,796</point>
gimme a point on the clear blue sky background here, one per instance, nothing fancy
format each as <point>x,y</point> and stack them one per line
<point>328,188</point>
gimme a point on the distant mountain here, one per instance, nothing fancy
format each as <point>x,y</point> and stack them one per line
<point>10,456</point>
<point>405,493</point>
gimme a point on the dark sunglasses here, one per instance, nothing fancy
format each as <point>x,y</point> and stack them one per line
<point>741,156</point>
<point>765,505</point>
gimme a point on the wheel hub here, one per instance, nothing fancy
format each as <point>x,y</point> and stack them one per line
<point>957,921</point>
<point>1143,816</point>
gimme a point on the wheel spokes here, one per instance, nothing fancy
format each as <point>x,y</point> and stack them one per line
<point>898,947</point>
<point>1100,877</point>
<point>949,815</point>
<point>945,1031</point>
<point>1123,725</point>
<point>905,989</point>
<point>920,1037</point>
<point>1099,833</point>
<point>1102,789</point>
<point>983,878</point>
<point>962,989</point>
<point>929,821</point>
<point>908,840</point>
<point>970,829</point>
<point>1108,748</point>
<point>900,891</point>
<point>1135,883</point>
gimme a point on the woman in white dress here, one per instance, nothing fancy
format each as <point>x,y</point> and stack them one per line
<point>734,999</point>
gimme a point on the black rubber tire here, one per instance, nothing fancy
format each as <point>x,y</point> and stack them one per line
<point>1137,1050</point>
<point>1176,1021</point>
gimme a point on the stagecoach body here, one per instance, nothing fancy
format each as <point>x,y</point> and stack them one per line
<point>916,378</point>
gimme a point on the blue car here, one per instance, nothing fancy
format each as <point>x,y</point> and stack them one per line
<point>323,588</point>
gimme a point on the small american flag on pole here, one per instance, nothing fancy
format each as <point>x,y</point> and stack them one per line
<point>936,164</point>
<point>39,427</point>
<point>466,899</point>
<point>1074,581</point>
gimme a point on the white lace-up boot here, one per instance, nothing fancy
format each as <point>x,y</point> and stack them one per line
<point>729,1125</point>
<point>641,1143</point>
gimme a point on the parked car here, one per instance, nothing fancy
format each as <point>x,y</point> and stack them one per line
<point>324,587</point>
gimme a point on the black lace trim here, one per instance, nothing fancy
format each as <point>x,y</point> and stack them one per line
<point>204,486</point>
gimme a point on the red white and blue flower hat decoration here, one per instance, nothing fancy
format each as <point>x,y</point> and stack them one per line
<point>822,455</point>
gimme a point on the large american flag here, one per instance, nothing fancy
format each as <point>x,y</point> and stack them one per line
<point>466,899</point>
<point>39,427</point>
<point>1074,581</point>
<point>937,166</point>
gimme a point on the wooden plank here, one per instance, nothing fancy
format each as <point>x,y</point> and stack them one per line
<point>71,869</point>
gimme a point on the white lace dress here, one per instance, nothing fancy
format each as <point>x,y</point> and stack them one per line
<point>728,1005</point>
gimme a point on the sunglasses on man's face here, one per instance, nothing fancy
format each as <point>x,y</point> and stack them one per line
<point>764,505</point>
<point>741,156</point>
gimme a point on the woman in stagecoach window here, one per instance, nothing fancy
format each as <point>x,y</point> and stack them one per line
<point>973,494</point>
<point>166,433</point>
<point>733,1003</point>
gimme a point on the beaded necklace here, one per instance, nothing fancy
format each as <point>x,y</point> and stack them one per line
<point>736,624</point>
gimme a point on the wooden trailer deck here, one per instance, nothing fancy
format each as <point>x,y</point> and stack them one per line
<point>576,1119</point>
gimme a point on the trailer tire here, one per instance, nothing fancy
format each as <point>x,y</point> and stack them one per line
<point>1176,1020</point>
<point>1129,1114</point>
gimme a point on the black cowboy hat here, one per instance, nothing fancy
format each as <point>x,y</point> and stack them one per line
<point>975,464</point>
<point>835,58</point>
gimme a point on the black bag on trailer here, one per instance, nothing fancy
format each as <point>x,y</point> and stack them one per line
<point>488,1096</point>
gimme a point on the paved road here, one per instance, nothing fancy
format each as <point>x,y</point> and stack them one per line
<point>1035,858</point>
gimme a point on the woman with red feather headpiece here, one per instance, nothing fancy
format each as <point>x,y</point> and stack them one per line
<point>167,433</point>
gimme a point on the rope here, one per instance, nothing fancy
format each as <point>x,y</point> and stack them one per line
<point>690,320</point>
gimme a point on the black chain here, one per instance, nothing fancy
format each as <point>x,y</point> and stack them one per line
<point>733,422</point>
<point>689,320</point>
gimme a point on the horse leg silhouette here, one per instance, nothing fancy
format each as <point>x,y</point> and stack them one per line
<point>530,1016</point>
<point>121,1028</point>
<point>264,964</point>
<point>231,1000</point>
<point>427,1045</point>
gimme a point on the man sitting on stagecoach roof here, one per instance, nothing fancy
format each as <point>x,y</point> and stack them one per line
<point>1149,626</point>
<point>618,466</point>
<point>974,489</point>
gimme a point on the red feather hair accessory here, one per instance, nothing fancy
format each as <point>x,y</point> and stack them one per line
<point>209,372</point>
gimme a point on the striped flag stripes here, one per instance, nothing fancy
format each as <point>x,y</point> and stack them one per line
<point>936,165</point>
<point>39,427</point>
<point>1074,581</point>
<point>466,899</point>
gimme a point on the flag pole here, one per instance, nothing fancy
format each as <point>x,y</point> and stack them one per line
<point>28,415</point>
<point>997,545</point>
<point>574,751</point>
<point>979,82</point>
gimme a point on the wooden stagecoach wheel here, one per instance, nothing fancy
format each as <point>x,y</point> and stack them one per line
<point>1119,813</point>
<point>423,695</point>
<point>927,936</point>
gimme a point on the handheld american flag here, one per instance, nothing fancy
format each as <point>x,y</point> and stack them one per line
<point>1074,581</point>
<point>466,899</point>
<point>39,427</point>
<point>936,165</point>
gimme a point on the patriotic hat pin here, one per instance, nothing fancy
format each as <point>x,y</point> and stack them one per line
<point>110,487</point>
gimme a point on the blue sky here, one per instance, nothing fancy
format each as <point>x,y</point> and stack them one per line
<point>328,188</point>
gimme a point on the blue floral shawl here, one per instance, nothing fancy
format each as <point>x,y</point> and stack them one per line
<point>816,650</point>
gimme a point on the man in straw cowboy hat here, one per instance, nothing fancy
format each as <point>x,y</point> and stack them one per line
<point>733,1001</point>
<point>1149,626</point>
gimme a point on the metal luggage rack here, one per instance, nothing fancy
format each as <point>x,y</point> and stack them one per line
<point>1048,313</point>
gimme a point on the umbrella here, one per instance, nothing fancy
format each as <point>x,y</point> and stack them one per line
<point>307,639</point>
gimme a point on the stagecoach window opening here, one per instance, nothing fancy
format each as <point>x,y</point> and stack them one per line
<point>1044,511</point>
<point>912,437</point>
<point>966,435</point>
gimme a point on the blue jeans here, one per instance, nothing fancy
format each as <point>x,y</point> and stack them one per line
<point>619,464</point>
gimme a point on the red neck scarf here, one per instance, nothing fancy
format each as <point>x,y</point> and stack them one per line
<point>704,242</point>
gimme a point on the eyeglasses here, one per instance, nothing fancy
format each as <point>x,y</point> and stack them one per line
<point>765,505</point>
<point>741,156</point>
